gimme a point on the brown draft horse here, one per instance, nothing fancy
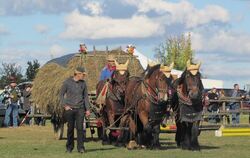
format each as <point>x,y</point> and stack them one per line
<point>145,100</point>
<point>188,108</point>
<point>114,103</point>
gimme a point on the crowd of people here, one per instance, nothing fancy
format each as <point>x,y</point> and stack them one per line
<point>14,99</point>
<point>214,106</point>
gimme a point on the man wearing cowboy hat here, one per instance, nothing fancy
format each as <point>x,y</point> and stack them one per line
<point>74,99</point>
<point>12,95</point>
<point>108,69</point>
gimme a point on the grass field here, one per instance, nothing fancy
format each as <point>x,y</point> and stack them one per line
<point>39,142</point>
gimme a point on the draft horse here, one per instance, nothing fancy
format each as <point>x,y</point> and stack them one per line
<point>188,107</point>
<point>113,105</point>
<point>145,100</point>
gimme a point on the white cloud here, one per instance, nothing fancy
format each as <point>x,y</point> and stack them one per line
<point>56,51</point>
<point>24,7</point>
<point>221,40</point>
<point>22,56</point>
<point>182,12</point>
<point>94,7</point>
<point>40,28</point>
<point>98,27</point>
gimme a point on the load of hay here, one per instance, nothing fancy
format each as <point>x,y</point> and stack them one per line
<point>50,77</point>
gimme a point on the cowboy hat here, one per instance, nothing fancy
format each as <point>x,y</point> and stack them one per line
<point>167,69</point>
<point>193,68</point>
<point>122,67</point>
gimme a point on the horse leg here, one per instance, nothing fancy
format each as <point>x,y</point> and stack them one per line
<point>111,118</point>
<point>104,130</point>
<point>185,145</point>
<point>132,134</point>
<point>194,136</point>
<point>156,141</point>
<point>178,134</point>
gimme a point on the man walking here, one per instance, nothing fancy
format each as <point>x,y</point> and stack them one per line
<point>74,99</point>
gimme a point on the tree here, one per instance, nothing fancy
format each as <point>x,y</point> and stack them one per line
<point>177,50</point>
<point>32,69</point>
<point>8,70</point>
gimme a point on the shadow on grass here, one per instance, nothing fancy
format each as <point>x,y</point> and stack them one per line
<point>100,149</point>
<point>204,147</point>
<point>2,137</point>
<point>86,140</point>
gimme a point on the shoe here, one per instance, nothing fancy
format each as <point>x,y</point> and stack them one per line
<point>69,151</point>
<point>82,151</point>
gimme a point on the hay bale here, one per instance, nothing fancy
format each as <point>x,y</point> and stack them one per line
<point>50,77</point>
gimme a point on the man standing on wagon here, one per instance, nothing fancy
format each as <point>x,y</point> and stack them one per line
<point>106,74</point>
<point>108,70</point>
<point>74,99</point>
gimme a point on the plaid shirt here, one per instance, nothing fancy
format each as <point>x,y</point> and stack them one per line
<point>8,91</point>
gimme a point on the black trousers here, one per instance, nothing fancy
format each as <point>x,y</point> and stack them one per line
<point>75,117</point>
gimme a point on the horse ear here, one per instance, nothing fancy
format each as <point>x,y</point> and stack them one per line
<point>127,62</point>
<point>199,64</point>
<point>171,66</point>
<point>188,63</point>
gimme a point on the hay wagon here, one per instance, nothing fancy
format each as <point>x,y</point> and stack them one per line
<point>50,77</point>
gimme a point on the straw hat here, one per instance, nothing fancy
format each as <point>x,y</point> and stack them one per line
<point>122,67</point>
<point>167,69</point>
<point>193,68</point>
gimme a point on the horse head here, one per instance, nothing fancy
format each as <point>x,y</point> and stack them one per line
<point>157,83</point>
<point>120,77</point>
<point>191,79</point>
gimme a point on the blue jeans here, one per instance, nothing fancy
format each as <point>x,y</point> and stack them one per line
<point>235,116</point>
<point>14,108</point>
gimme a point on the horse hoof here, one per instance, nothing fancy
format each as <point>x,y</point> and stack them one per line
<point>142,147</point>
<point>119,145</point>
<point>132,145</point>
<point>195,149</point>
<point>105,143</point>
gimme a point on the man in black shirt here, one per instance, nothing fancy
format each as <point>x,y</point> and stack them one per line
<point>213,106</point>
<point>74,99</point>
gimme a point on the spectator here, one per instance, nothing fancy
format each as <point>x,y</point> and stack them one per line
<point>213,106</point>
<point>26,103</point>
<point>235,105</point>
<point>12,95</point>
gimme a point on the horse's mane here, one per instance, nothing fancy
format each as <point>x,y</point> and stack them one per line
<point>151,70</point>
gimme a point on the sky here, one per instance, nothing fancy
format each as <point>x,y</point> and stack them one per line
<point>45,29</point>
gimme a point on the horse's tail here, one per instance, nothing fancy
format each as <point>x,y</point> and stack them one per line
<point>56,120</point>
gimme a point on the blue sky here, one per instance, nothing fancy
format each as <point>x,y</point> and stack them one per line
<point>42,29</point>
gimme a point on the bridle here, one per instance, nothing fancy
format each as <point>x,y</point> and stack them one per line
<point>152,93</point>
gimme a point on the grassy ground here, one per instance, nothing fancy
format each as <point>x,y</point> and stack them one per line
<point>39,142</point>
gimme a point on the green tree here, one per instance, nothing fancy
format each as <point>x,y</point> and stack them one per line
<point>177,50</point>
<point>7,70</point>
<point>32,69</point>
